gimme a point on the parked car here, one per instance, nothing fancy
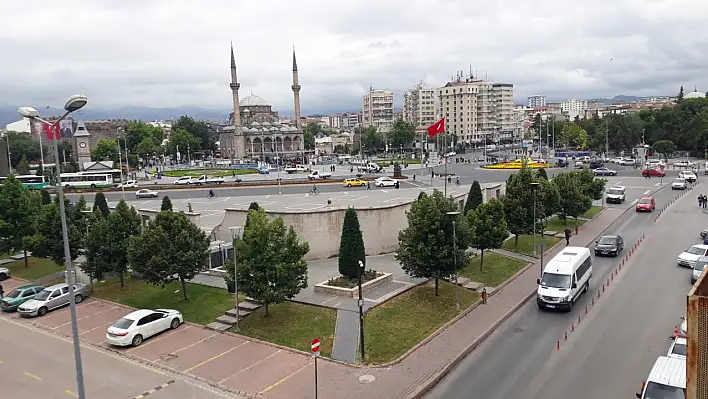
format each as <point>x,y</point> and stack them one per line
<point>596,164</point>
<point>136,326</point>
<point>704,233</point>
<point>688,175</point>
<point>354,182</point>
<point>684,164</point>
<point>129,184</point>
<point>653,172</point>
<point>183,181</point>
<point>604,172</point>
<point>609,245</point>
<point>145,193</point>
<point>4,273</point>
<point>679,184</point>
<point>626,162</point>
<point>18,296</point>
<point>678,348</point>
<point>690,256</point>
<point>645,204</point>
<point>385,181</point>
<point>698,268</point>
<point>50,298</point>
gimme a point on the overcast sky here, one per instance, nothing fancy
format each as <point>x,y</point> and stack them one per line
<point>170,53</point>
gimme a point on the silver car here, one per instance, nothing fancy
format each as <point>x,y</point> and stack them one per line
<point>145,193</point>
<point>51,298</point>
<point>4,273</point>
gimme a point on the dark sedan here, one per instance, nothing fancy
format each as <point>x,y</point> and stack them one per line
<point>610,245</point>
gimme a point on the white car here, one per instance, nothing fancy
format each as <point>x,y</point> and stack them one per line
<point>655,163</point>
<point>678,348</point>
<point>129,184</point>
<point>689,257</point>
<point>135,327</point>
<point>183,181</point>
<point>4,273</point>
<point>684,164</point>
<point>688,175</point>
<point>679,184</point>
<point>385,181</point>
<point>626,162</point>
<point>145,193</point>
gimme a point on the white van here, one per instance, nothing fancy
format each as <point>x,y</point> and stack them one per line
<point>667,380</point>
<point>564,278</point>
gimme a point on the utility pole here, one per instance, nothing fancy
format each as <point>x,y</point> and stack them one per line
<point>607,136</point>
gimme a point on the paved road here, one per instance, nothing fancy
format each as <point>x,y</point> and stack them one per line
<point>518,360</point>
<point>34,364</point>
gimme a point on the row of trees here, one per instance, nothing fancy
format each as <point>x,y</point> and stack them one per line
<point>402,134</point>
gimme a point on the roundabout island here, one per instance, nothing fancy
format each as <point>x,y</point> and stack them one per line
<point>518,164</point>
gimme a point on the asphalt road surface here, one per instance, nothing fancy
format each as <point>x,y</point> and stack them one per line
<point>615,347</point>
<point>36,364</point>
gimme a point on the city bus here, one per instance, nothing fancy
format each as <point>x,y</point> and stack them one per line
<point>83,180</point>
<point>32,182</point>
<point>115,173</point>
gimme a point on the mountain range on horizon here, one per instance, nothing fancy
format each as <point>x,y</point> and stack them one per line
<point>8,114</point>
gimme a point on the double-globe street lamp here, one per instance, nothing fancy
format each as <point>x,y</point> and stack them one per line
<point>74,103</point>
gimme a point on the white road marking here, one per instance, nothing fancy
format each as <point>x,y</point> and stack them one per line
<point>657,184</point>
<point>648,192</point>
<point>267,196</point>
<point>634,202</point>
<point>384,191</point>
<point>393,199</point>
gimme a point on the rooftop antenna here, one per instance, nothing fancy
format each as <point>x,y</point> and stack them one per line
<point>485,75</point>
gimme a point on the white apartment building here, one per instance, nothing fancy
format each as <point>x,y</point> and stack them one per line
<point>351,120</point>
<point>536,101</point>
<point>333,121</point>
<point>574,107</point>
<point>377,110</point>
<point>475,109</point>
<point>419,107</point>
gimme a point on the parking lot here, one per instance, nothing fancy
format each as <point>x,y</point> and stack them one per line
<point>227,359</point>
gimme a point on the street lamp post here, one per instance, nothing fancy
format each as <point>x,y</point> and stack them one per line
<point>237,230</point>
<point>533,187</point>
<point>361,311</point>
<point>455,214</point>
<point>120,165</point>
<point>74,103</point>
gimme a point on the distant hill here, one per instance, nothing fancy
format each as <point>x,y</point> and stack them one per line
<point>623,98</point>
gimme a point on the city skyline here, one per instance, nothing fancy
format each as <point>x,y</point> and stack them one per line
<point>596,57</point>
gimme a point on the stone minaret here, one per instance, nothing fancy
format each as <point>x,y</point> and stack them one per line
<point>236,144</point>
<point>296,92</point>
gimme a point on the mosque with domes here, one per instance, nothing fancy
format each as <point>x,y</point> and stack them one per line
<point>254,130</point>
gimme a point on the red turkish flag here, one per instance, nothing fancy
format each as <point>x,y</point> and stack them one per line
<point>437,127</point>
<point>51,135</point>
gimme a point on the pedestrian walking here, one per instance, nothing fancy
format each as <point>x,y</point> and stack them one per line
<point>368,185</point>
<point>567,236</point>
<point>413,176</point>
<point>2,291</point>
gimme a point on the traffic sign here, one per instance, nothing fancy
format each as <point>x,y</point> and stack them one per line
<point>315,345</point>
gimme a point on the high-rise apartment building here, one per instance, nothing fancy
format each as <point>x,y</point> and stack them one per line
<point>351,120</point>
<point>536,101</point>
<point>574,106</point>
<point>377,110</point>
<point>419,107</point>
<point>475,109</point>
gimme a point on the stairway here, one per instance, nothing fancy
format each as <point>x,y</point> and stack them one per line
<point>229,319</point>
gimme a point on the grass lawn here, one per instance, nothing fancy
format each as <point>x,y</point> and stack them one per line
<point>556,224</point>
<point>526,244</point>
<point>497,269</point>
<point>204,305</point>
<point>292,324</point>
<point>210,172</point>
<point>394,327</point>
<point>592,212</point>
<point>38,268</point>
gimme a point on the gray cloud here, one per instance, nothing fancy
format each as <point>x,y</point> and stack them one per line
<point>170,52</point>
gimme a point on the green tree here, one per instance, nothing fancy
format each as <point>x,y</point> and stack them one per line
<point>402,134</point>
<point>488,228</point>
<point>23,145</point>
<point>98,257</point>
<point>122,226</point>
<point>351,245</point>
<point>166,204</point>
<point>79,217</point>
<point>47,241</point>
<point>137,131</point>
<point>665,148</point>
<point>105,150</point>
<point>541,174</point>
<point>46,197</point>
<point>198,129</point>
<point>518,203</point>
<point>547,198</point>
<point>474,197</point>
<point>371,140</point>
<point>537,124</point>
<point>574,136</point>
<point>182,141</point>
<point>23,166</point>
<point>426,247</point>
<point>17,216</point>
<point>271,265</point>
<point>679,98</point>
<point>573,202</point>
<point>100,203</point>
<point>309,131</point>
<point>170,248</point>
<point>590,185</point>
<point>147,148</point>
<point>253,206</point>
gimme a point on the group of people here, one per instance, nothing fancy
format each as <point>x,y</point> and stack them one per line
<point>703,201</point>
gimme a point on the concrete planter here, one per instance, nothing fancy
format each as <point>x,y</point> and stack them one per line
<point>354,292</point>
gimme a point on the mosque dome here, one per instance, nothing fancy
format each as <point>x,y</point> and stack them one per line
<point>694,94</point>
<point>255,124</point>
<point>284,129</point>
<point>266,123</point>
<point>292,129</point>
<point>253,101</point>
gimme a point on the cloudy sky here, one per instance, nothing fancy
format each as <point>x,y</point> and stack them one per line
<point>170,53</point>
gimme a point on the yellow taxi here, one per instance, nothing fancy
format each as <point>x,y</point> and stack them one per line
<point>354,183</point>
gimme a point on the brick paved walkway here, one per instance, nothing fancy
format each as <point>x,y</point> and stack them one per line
<point>403,379</point>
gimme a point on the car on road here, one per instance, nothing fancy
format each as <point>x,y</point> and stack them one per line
<point>656,163</point>
<point>653,172</point>
<point>4,273</point>
<point>135,327</point>
<point>667,380</point>
<point>609,245</point>
<point>385,181</point>
<point>690,256</point>
<point>183,181</point>
<point>52,297</point>
<point>704,233</point>
<point>354,182</point>
<point>579,165</point>
<point>615,195</point>
<point>684,164</point>
<point>679,184</point>
<point>688,175</point>
<point>596,163</point>
<point>678,348</point>
<point>626,162</point>
<point>604,172</point>
<point>129,184</point>
<point>145,193</point>
<point>645,204</point>
<point>18,296</point>
<point>698,268</point>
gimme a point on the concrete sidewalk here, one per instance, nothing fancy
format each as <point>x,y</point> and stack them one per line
<point>428,363</point>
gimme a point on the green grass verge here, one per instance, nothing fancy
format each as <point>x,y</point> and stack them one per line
<point>292,324</point>
<point>394,327</point>
<point>386,164</point>
<point>496,269</point>
<point>210,172</point>
<point>37,268</point>
<point>592,212</point>
<point>204,305</point>
<point>555,224</point>
<point>526,244</point>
